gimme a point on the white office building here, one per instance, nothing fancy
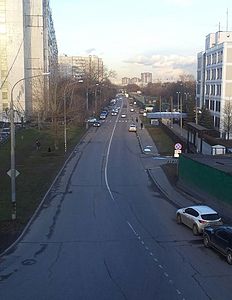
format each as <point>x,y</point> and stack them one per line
<point>214,77</point>
<point>27,49</point>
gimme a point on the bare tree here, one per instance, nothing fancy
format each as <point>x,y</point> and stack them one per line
<point>227,118</point>
<point>38,101</point>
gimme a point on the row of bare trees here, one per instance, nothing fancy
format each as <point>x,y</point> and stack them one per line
<point>186,86</point>
<point>71,99</point>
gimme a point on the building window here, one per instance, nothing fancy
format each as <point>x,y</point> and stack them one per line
<point>212,90</point>
<point>214,58</point>
<point>219,73</point>
<point>207,89</point>
<point>4,95</point>
<point>219,90</point>
<point>211,105</point>
<point>213,74</point>
<point>208,59</point>
<point>217,122</point>
<point>220,55</point>
<point>218,106</point>
<point>5,106</point>
<point>207,103</point>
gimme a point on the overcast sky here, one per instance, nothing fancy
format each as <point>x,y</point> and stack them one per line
<point>134,36</point>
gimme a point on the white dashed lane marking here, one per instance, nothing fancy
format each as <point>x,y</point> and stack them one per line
<point>161,267</point>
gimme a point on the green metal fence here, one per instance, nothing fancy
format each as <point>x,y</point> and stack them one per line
<point>208,179</point>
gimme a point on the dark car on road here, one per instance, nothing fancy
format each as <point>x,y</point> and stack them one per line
<point>96,124</point>
<point>219,238</point>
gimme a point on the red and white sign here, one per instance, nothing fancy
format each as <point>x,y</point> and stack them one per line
<point>178,146</point>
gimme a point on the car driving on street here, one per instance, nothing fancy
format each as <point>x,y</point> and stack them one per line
<point>219,238</point>
<point>197,217</point>
<point>132,128</point>
<point>96,124</point>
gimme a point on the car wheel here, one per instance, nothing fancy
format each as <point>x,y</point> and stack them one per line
<point>229,257</point>
<point>206,241</point>
<point>178,219</point>
<point>195,230</point>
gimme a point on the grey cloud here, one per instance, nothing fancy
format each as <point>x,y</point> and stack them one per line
<point>163,61</point>
<point>90,50</point>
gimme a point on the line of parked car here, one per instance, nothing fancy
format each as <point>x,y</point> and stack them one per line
<point>204,220</point>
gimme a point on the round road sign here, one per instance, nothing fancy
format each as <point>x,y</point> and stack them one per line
<point>178,146</point>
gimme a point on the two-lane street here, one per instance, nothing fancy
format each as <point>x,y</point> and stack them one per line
<point>105,231</point>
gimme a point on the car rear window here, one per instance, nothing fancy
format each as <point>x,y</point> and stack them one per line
<point>210,217</point>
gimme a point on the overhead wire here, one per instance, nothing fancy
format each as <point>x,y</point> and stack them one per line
<point>16,56</point>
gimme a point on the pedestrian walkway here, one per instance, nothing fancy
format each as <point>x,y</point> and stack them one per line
<point>155,171</point>
<point>179,195</point>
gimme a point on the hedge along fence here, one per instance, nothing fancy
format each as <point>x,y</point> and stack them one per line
<point>174,137</point>
<point>209,180</point>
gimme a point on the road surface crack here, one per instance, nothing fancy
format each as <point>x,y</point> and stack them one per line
<point>114,281</point>
<point>50,269</point>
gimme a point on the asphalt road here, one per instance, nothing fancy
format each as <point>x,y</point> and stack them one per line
<point>105,231</point>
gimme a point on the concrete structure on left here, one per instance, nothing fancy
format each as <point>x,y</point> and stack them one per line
<point>28,48</point>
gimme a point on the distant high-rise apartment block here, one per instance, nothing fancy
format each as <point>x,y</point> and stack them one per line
<point>28,48</point>
<point>125,81</point>
<point>214,79</point>
<point>146,78</point>
<point>135,80</point>
<point>81,66</point>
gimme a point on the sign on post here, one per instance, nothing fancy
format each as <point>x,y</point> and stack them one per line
<point>178,150</point>
<point>16,173</point>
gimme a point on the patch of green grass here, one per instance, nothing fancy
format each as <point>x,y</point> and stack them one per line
<point>37,168</point>
<point>163,142</point>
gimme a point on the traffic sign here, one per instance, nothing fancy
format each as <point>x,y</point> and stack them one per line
<point>178,146</point>
<point>16,173</point>
<point>177,153</point>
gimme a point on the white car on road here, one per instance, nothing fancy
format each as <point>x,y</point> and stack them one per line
<point>197,217</point>
<point>132,128</point>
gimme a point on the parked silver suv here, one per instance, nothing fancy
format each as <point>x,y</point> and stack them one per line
<point>197,217</point>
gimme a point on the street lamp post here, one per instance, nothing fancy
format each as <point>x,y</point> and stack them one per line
<point>196,117</point>
<point>181,117</point>
<point>12,150</point>
<point>180,108</point>
<point>178,100</point>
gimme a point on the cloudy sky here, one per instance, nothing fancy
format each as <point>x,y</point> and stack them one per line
<point>134,36</point>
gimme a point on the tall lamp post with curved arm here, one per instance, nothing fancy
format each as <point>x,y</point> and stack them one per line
<point>12,139</point>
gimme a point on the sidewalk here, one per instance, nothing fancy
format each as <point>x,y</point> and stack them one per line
<point>179,195</point>
<point>155,171</point>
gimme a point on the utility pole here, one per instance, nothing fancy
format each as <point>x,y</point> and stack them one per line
<point>181,118</point>
<point>171,99</point>
<point>13,172</point>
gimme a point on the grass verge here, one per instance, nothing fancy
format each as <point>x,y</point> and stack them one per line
<point>165,146</point>
<point>37,168</point>
<point>164,143</point>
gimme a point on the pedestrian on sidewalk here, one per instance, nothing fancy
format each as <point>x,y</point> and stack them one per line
<point>141,125</point>
<point>38,144</point>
